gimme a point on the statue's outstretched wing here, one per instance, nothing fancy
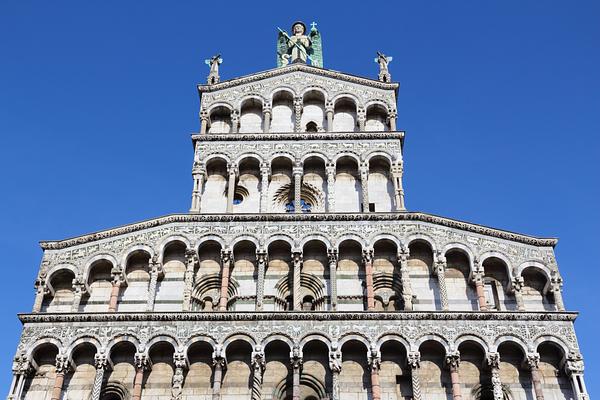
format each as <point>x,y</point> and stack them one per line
<point>282,48</point>
<point>316,53</point>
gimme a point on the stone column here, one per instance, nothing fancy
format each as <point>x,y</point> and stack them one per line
<point>142,363</point>
<point>117,280</point>
<point>219,364</point>
<point>329,108</point>
<point>78,291</point>
<point>296,280</point>
<point>364,185</point>
<point>517,287</point>
<point>261,261</point>
<point>368,261</point>
<point>191,260</point>
<point>180,363</point>
<point>62,367</point>
<point>199,175</point>
<point>392,115</point>
<point>265,171</point>
<point>453,361</point>
<point>574,368</point>
<point>533,361</point>
<point>407,294</point>
<point>267,111</point>
<point>330,171</point>
<point>556,283</point>
<point>374,365</point>
<point>361,115</point>
<point>297,172</point>
<point>20,370</point>
<point>155,271</point>
<point>226,265</point>
<point>297,114</point>
<point>335,365</point>
<point>397,170</point>
<point>296,361</point>
<point>235,121</point>
<point>41,290</point>
<point>258,367</point>
<point>332,255</point>
<point>439,270</point>
<point>414,362</point>
<point>493,361</point>
<point>204,120</point>
<point>231,187</point>
<point>478,275</point>
<point>101,363</point>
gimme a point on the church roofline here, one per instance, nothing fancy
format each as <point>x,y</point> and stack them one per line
<point>202,88</point>
<point>399,216</point>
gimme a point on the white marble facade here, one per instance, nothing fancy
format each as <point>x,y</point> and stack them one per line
<point>298,274</point>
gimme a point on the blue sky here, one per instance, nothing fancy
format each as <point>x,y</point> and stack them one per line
<point>500,101</point>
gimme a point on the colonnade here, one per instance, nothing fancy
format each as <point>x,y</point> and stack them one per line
<point>400,280</point>
<point>264,170</point>
<point>305,115</point>
<point>337,359</point>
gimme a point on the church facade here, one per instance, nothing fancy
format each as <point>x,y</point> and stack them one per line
<point>298,272</point>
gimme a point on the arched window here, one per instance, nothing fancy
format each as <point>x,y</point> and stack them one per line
<point>311,127</point>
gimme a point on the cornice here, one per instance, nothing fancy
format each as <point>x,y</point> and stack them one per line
<point>313,217</point>
<point>279,136</point>
<point>297,316</point>
<point>203,88</point>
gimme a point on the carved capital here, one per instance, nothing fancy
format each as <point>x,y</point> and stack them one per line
<point>100,360</point>
<point>179,359</point>
<point>493,360</point>
<point>258,358</point>
<point>62,364</point>
<point>297,256</point>
<point>532,360</point>
<point>517,283</point>
<point>414,359</point>
<point>453,360</point>
<point>374,359</point>
<point>141,361</point>
<point>296,357</point>
<point>204,115</point>
<point>191,257</point>
<point>335,361</point>
<point>367,255</point>
<point>226,256</point>
<point>574,364</point>
<point>199,169</point>
<point>332,255</point>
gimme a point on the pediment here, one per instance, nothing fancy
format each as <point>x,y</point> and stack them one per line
<point>298,79</point>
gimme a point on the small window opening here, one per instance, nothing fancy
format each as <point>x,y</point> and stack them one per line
<point>238,198</point>
<point>311,127</point>
<point>372,207</point>
<point>290,207</point>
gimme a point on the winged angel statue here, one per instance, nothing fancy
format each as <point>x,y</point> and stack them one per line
<point>300,48</point>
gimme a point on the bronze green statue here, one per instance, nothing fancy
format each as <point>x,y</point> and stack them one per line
<point>300,47</point>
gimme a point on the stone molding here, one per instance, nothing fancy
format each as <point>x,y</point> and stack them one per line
<point>313,217</point>
<point>292,68</point>
<point>279,136</point>
<point>268,150</point>
<point>27,318</point>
